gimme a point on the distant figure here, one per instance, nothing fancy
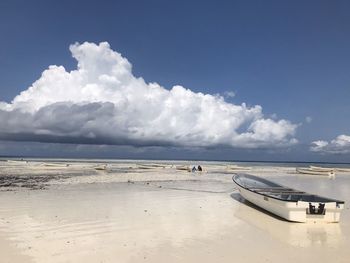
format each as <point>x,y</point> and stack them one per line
<point>200,168</point>
<point>331,174</point>
<point>194,169</point>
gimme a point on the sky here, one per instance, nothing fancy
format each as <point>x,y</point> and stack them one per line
<point>215,80</point>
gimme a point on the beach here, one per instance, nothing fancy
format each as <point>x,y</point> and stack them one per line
<point>157,211</point>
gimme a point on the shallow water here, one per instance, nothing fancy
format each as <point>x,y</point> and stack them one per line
<point>164,215</point>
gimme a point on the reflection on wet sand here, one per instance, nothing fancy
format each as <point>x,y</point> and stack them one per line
<point>295,234</point>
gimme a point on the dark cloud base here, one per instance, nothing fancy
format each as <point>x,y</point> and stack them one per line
<point>28,137</point>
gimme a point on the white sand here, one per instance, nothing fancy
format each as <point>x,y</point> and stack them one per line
<point>160,215</point>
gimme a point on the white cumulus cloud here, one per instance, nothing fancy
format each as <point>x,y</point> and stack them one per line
<point>102,102</point>
<point>340,145</point>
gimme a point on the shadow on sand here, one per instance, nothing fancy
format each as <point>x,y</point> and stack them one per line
<point>239,198</point>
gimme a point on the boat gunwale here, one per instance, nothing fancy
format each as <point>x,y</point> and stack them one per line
<point>330,200</point>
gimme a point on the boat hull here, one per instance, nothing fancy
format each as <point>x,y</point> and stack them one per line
<point>295,211</point>
<point>315,172</point>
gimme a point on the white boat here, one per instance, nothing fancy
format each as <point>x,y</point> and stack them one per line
<point>237,168</point>
<point>345,170</point>
<point>315,172</point>
<point>17,162</point>
<point>151,166</point>
<point>329,169</point>
<point>55,165</point>
<point>288,203</point>
<point>322,169</point>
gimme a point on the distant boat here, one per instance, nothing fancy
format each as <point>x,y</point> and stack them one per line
<point>155,165</point>
<point>236,167</point>
<point>324,169</point>
<point>315,172</point>
<point>141,166</point>
<point>346,170</point>
<point>290,204</point>
<point>329,169</point>
<point>55,165</point>
<point>183,168</point>
<point>17,162</point>
<point>151,166</point>
<point>101,167</point>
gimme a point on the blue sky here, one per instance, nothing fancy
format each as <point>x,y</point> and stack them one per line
<point>290,57</point>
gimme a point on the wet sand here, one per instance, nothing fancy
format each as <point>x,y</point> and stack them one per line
<point>129,213</point>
